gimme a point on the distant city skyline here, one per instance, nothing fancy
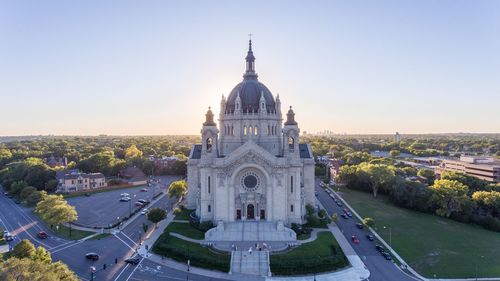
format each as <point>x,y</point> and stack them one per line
<point>354,67</point>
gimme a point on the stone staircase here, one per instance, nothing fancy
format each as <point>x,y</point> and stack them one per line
<point>256,263</point>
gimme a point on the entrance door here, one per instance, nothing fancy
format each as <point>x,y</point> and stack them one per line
<point>238,214</point>
<point>262,214</point>
<point>250,212</point>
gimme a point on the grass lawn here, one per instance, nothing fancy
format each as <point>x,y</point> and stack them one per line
<point>76,234</point>
<point>321,255</point>
<point>198,256</point>
<point>185,229</point>
<point>99,190</point>
<point>303,236</point>
<point>431,244</point>
<point>184,214</point>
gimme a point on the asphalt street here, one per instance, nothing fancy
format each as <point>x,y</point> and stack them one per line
<point>23,224</point>
<point>380,268</point>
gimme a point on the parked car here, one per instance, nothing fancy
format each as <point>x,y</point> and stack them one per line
<point>379,248</point>
<point>143,201</point>
<point>345,211</point>
<point>387,256</point>
<point>8,238</point>
<point>344,216</point>
<point>133,261</point>
<point>42,235</point>
<point>359,225</point>
<point>144,212</point>
<point>140,204</point>
<point>125,195</point>
<point>316,193</point>
<point>370,237</point>
<point>349,214</point>
<point>92,256</point>
<point>124,199</point>
<point>355,239</point>
<point>144,189</point>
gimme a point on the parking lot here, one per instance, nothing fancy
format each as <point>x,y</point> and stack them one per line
<point>104,209</point>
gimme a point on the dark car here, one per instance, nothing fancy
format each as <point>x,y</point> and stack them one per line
<point>133,261</point>
<point>42,235</point>
<point>143,201</point>
<point>140,204</point>
<point>8,238</point>
<point>344,216</point>
<point>92,256</point>
<point>379,248</point>
<point>359,225</point>
<point>349,214</point>
<point>387,256</point>
<point>370,237</point>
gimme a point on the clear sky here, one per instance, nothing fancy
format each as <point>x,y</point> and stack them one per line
<point>153,67</point>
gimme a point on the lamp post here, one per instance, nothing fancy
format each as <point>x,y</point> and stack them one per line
<point>188,268</point>
<point>92,272</point>
<point>390,235</point>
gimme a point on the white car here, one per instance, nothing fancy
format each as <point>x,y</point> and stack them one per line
<point>144,212</point>
<point>125,195</point>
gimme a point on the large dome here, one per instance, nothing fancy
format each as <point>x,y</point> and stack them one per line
<point>250,90</point>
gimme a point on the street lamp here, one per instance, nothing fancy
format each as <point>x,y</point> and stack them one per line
<point>187,273</point>
<point>390,235</point>
<point>92,272</point>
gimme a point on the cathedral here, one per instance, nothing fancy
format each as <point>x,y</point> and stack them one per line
<point>251,166</point>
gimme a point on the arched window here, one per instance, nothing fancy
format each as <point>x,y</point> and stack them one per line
<point>291,143</point>
<point>209,145</point>
<point>256,130</point>
<point>245,130</point>
<point>210,208</point>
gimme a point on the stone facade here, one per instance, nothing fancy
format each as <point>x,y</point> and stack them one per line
<point>253,168</point>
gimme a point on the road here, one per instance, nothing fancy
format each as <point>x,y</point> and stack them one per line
<point>380,268</point>
<point>23,224</point>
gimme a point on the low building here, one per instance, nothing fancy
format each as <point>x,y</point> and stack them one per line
<point>56,162</point>
<point>484,168</point>
<point>133,176</point>
<point>74,180</point>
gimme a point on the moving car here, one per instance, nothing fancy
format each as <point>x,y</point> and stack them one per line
<point>144,212</point>
<point>370,237</point>
<point>359,225</point>
<point>344,216</point>
<point>124,199</point>
<point>133,261</point>
<point>42,235</point>
<point>387,256</point>
<point>125,195</point>
<point>355,239</point>
<point>8,237</point>
<point>92,256</point>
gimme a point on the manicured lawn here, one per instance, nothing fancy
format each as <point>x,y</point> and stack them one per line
<point>198,256</point>
<point>76,234</point>
<point>321,255</point>
<point>185,229</point>
<point>184,214</point>
<point>431,244</point>
<point>100,190</point>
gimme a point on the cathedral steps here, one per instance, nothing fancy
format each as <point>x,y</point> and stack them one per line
<point>254,262</point>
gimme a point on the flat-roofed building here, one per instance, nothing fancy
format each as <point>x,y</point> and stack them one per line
<point>484,168</point>
<point>73,181</point>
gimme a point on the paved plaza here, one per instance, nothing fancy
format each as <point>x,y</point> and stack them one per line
<point>255,231</point>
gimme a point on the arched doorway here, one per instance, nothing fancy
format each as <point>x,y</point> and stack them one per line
<point>250,212</point>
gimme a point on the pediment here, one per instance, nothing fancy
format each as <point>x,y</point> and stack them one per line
<point>250,152</point>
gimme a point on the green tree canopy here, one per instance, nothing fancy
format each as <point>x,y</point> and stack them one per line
<point>375,175</point>
<point>55,210</point>
<point>450,196</point>
<point>15,269</point>
<point>24,249</point>
<point>427,174</point>
<point>132,151</point>
<point>156,215</point>
<point>177,189</point>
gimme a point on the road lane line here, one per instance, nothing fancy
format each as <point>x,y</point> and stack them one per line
<point>121,272</point>
<point>31,236</point>
<point>124,242</point>
<point>60,249</point>
<point>128,238</point>
<point>135,268</point>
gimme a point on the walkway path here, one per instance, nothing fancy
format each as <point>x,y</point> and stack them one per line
<point>250,262</point>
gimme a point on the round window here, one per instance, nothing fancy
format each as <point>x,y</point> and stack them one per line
<point>250,181</point>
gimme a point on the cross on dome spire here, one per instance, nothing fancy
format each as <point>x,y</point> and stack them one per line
<point>250,59</point>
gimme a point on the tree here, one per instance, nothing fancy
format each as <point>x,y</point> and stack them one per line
<point>41,255</point>
<point>450,197</point>
<point>24,249</point>
<point>17,187</point>
<point>132,151</point>
<point>15,269</point>
<point>335,217</point>
<point>428,174</point>
<point>376,175</point>
<point>35,197</point>
<point>394,153</point>
<point>490,200</point>
<point>369,222</point>
<point>55,210</point>
<point>357,157</point>
<point>156,215</point>
<point>177,189</point>
<point>26,192</point>
<point>51,185</point>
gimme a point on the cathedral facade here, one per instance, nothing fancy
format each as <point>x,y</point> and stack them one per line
<point>251,166</point>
